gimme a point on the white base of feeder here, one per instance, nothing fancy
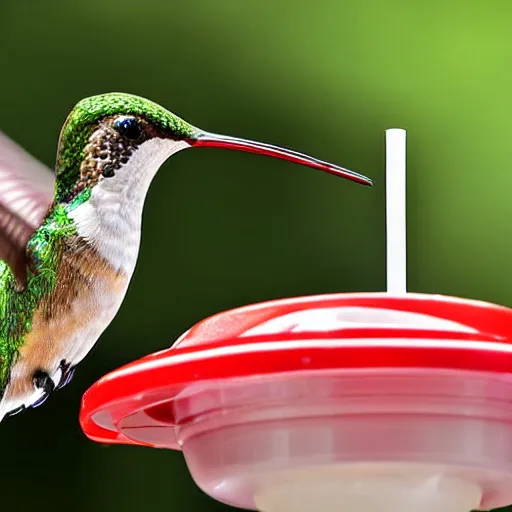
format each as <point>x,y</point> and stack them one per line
<point>364,488</point>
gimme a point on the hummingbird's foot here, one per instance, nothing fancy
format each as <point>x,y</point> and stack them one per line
<point>43,381</point>
<point>67,374</point>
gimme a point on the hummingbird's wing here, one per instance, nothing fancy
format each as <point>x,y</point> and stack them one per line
<point>26,192</point>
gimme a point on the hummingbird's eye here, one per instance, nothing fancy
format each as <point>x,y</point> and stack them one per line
<point>129,127</point>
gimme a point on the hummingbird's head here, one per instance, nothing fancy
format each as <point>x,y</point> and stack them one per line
<point>123,139</point>
<point>104,133</point>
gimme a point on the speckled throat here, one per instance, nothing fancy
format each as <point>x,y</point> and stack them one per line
<point>105,153</point>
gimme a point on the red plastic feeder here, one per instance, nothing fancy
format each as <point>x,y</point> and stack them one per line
<point>324,387</point>
<point>353,401</point>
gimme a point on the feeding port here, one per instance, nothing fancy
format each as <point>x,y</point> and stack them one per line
<point>392,400</point>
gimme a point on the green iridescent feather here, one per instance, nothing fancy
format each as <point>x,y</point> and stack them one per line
<point>46,245</point>
<point>17,308</point>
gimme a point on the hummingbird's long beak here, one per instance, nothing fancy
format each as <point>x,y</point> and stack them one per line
<point>205,139</point>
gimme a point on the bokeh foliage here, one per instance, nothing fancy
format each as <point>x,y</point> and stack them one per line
<point>223,229</point>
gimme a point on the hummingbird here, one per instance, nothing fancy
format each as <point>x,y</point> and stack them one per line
<point>69,239</point>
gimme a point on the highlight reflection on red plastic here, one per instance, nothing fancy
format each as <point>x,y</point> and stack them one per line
<point>341,331</point>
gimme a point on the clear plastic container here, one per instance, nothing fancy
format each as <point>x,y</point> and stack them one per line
<point>348,400</point>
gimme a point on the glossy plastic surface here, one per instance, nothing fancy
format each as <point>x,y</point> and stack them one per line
<point>310,333</point>
<point>327,382</point>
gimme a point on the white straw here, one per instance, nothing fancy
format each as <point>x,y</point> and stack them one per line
<point>395,212</point>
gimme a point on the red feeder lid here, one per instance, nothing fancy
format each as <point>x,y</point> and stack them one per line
<point>327,332</point>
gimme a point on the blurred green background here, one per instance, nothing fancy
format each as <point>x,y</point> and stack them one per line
<point>223,229</point>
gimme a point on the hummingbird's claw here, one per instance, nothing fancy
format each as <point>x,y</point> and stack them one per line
<point>41,401</point>
<point>42,381</point>
<point>67,374</point>
<point>13,412</point>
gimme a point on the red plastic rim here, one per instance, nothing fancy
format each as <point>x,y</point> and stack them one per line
<point>341,331</point>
